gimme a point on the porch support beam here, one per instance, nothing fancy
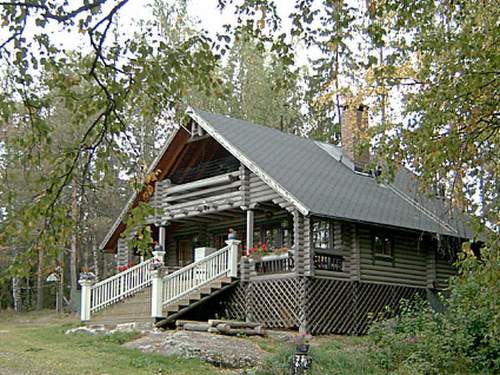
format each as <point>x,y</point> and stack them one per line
<point>163,236</point>
<point>250,224</point>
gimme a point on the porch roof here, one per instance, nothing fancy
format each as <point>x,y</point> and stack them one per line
<point>317,178</point>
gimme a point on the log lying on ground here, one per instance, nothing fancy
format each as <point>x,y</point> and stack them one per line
<point>180,322</point>
<point>233,323</point>
<point>223,327</point>
<point>198,327</point>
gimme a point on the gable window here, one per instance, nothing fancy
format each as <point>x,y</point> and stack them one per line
<point>382,245</point>
<point>321,234</point>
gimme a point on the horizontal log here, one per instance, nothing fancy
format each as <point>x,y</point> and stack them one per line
<point>393,281</point>
<point>202,201</point>
<point>181,322</point>
<point>232,323</point>
<point>202,192</point>
<point>197,327</point>
<point>259,331</point>
<point>262,196</point>
<point>201,183</point>
<point>223,328</point>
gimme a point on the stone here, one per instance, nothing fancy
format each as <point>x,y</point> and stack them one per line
<point>221,351</point>
<point>96,330</point>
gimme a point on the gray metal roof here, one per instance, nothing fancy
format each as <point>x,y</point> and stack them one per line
<point>318,176</point>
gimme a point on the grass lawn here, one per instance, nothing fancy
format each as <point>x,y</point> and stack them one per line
<point>31,345</point>
<point>331,355</point>
<point>35,343</point>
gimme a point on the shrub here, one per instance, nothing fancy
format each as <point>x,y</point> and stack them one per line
<point>462,339</point>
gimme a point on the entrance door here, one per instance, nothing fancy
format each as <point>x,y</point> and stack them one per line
<point>185,252</point>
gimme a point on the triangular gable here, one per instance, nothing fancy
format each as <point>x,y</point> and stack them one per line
<point>247,162</point>
<point>167,157</point>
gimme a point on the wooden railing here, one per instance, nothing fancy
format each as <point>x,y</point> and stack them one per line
<point>283,263</point>
<point>328,262</point>
<point>120,286</point>
<point>196,275</point>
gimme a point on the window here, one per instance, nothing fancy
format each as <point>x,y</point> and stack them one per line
<point>383,245</point>
<point>321,234</point>
<point>272,237</point>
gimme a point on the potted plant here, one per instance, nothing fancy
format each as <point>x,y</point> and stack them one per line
<point>86,274</point>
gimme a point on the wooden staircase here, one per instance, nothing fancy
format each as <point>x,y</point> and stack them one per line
<point>175,310</point>
<point>137,308</point>
<point>142,292</point>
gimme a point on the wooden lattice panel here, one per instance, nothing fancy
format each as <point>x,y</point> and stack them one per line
<point>277,303</point>
<point>370,302</point>
<point>235,305</point>
<point>329,306</point>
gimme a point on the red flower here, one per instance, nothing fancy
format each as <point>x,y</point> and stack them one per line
<point>253,250</point>
<point>264,247</point>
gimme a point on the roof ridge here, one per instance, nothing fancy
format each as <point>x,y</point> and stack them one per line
<point>262,126</point>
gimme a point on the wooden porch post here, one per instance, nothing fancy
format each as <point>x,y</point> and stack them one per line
<point>157,294</point>
<point>233,257</point>
<point>163,237</point>
<point>86,285</point>
<point>250,222</point>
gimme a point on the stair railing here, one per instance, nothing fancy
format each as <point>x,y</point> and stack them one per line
<point>182,282</point>
<point>120,286</point>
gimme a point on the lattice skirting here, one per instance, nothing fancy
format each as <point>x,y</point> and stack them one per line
<point>330,306</point>
<point>322,305</point>
<point>234,305</point>
<point>372,300</point>
<point>278,303</point>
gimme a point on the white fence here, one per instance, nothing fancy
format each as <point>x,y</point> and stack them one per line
<point>119,286</point>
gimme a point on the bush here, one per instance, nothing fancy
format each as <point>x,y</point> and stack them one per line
<point>462,339</point>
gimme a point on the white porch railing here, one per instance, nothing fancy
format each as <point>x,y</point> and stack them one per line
<point>182,282</point>
<point>271,264</point>
<point>119,286</point>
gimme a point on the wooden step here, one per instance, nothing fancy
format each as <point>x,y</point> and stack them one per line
<point>176,309</point>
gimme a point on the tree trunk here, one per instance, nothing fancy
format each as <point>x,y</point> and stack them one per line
<point>73,248</point>
<point>16,286</point>
<point>95,258</point>
<point>39,280</point>
<point>60,294</point>
<point>16,294</point>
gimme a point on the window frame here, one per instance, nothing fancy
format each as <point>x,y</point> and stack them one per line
<point>383,235</point>
<point>330,248</point>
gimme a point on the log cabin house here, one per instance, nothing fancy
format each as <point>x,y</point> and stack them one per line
<point>341,244</point>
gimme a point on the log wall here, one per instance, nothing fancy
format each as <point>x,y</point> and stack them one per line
<point>444,270</point>
<point>122,256</point>
<point>259,191</point>
<point>407,266</point>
